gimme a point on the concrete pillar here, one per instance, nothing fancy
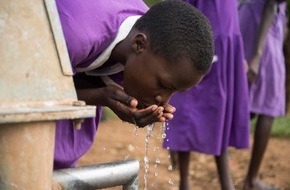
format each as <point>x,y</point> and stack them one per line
<point>36,90</point>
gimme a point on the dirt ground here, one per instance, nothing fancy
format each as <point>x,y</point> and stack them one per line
<point>116,141</point>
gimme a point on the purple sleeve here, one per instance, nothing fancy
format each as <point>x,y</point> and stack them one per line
<point>90,26</point>
<point>75,47</point>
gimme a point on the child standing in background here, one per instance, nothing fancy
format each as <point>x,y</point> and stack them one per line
<point>151,55</point>
<point>213,115</point>
<point>262,24</point>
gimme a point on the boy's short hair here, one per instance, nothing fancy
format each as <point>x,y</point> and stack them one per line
<point>176,31</point>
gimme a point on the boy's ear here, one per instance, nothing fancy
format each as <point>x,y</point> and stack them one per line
<point>140,43</point>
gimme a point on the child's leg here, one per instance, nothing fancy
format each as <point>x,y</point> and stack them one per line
<point>261,137</point>
<point>225,178</point>
<point>183,163</point>
<point>173,158</point>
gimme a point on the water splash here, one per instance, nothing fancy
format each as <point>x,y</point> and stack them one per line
<point>171,182</point>
<point>136,131</point>
<point>156,174</point>
<point>157,161</point>
<point>146,158</point>
<point>127,157</point>
<point>150,130</point>
<point>163,128</point>
<point>163,136</point>
<point>131,148</point>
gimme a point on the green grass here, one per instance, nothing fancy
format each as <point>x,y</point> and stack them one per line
<point>281,127</point>
<point>108,114</point>
<point>151,2</point>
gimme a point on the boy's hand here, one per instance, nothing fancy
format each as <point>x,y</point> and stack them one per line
<point>125,107</point>
<point>167,113</point>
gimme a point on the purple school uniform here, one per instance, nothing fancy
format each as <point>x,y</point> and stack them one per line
<point>89,28</point>
<point>267,93</point>
<point>214,114</point>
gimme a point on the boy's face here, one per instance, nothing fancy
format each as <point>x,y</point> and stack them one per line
<point>152,80</point>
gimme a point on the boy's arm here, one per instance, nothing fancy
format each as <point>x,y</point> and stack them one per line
<point>269,11</point>
<point>123,105</point>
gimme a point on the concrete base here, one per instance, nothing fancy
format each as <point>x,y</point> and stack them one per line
<point>26,155</point>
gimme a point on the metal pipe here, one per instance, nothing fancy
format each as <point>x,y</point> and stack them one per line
<point>121,173</point>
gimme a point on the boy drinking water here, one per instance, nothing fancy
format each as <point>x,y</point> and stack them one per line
<point>131,60</point>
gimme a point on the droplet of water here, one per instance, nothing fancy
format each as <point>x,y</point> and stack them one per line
<point>170,167</point>
<point>157,161</point>
<point>136,131</point>
<point>131,148</point>
<point>163,136</point>
<point>126,157</point>
<point>171,181</point>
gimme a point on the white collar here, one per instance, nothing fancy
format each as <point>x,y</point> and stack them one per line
<point>122,33</point>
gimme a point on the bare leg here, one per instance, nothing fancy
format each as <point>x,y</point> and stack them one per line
<point>261,137</point>
<point>183,162</point>
<point>173,158</point>
<point>225,178</point>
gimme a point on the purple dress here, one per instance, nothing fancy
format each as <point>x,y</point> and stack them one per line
<point>267,93</point>
<point>214,114</point>
<point>89,28</point>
